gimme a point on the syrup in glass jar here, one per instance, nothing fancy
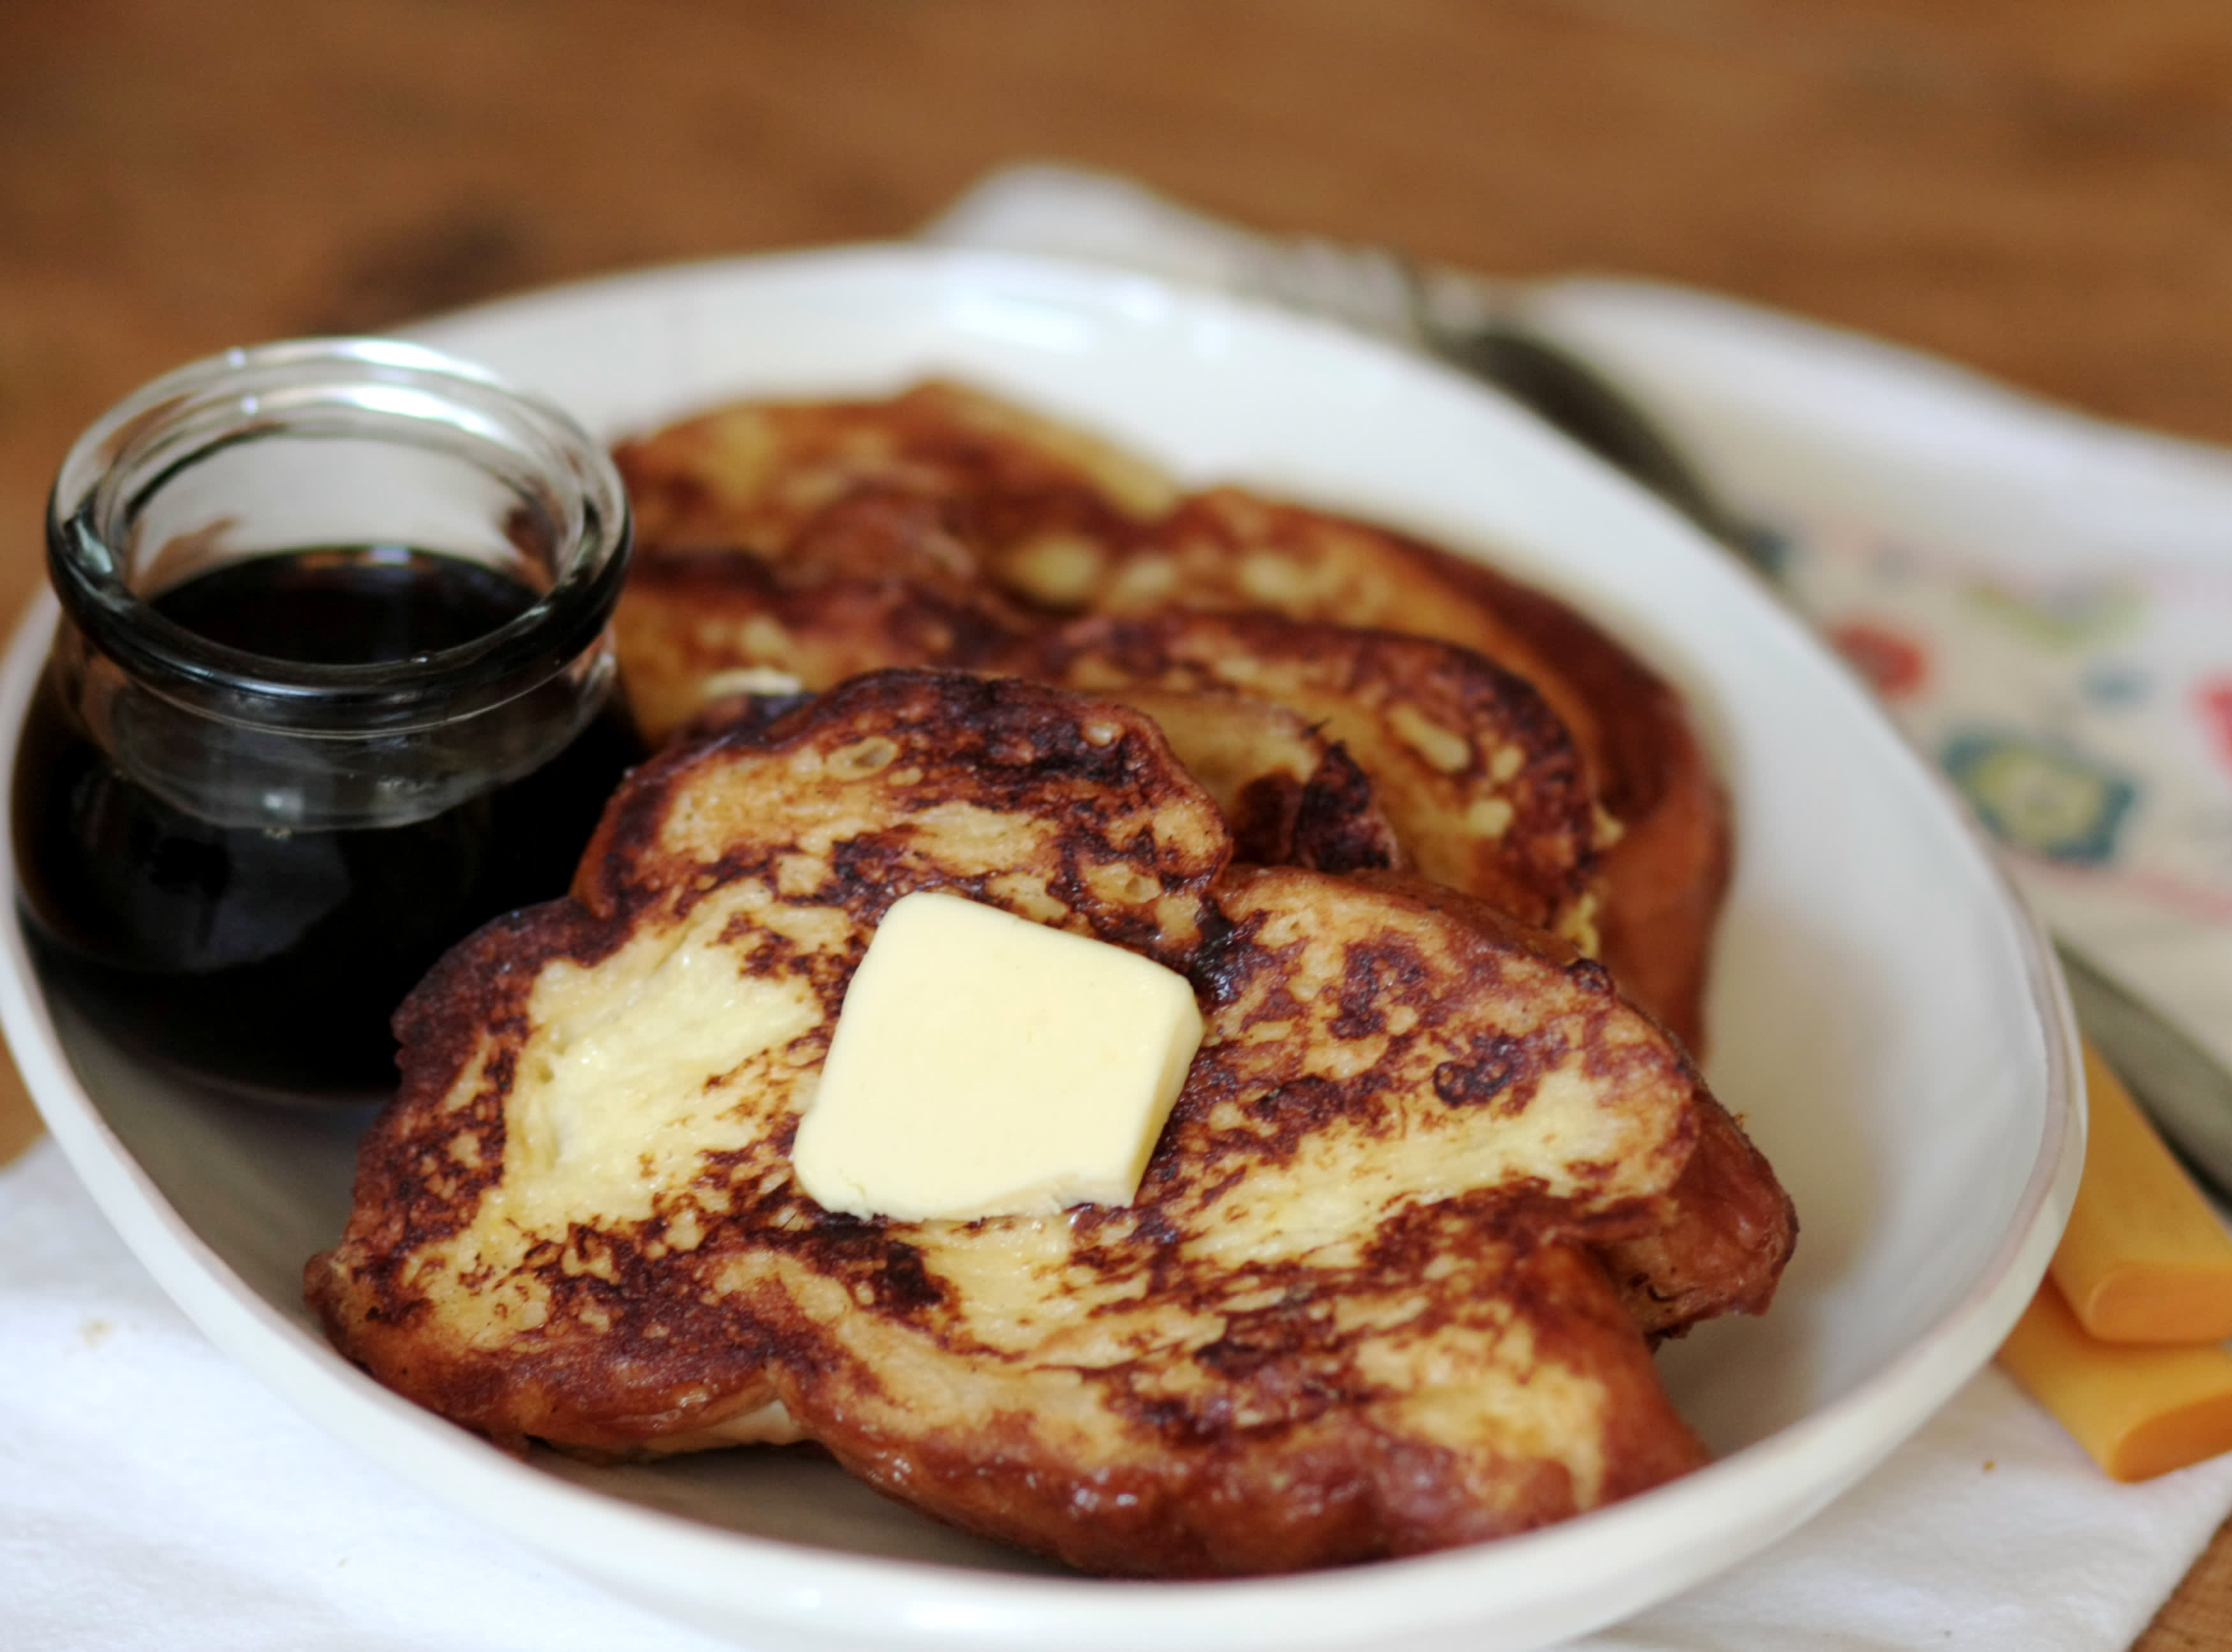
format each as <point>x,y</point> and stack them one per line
<point>332,686</point>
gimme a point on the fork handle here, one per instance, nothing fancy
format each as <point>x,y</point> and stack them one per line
<point>1567,393</point>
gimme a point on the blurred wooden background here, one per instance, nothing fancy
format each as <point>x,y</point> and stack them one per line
<point>2040,189</point>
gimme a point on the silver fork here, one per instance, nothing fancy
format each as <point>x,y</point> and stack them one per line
<point>1463,323</point>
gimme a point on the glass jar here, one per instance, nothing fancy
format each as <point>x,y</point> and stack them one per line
<point>333,685</point>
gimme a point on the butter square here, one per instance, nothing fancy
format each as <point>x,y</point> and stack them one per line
<point>985,1065</point>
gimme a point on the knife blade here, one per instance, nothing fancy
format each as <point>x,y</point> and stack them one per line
<point>2183,1088</point>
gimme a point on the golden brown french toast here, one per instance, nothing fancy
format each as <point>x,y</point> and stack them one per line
<point>1479,779</point>
<point>877,577</point>
<point>1486,790</point>
<point>1044,504</point>
<point>1355,1310</point>
<point>1064,523</point>
<point>1665,874</point>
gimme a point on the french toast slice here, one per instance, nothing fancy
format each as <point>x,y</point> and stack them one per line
<point>1066,524</point>
<point>1045,504</point>
<point>878,578</point>
<point>1480,781</point>
<point>1355,1310</point>
<point>1727,1227</point>
<point>609,1082</point>
<point>1665,875</point>
<point>1291,797</point>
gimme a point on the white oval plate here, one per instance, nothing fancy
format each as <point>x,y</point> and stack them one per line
<point>1883,1013</point>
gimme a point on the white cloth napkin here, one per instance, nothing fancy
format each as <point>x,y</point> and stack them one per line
<point>154,1496</point>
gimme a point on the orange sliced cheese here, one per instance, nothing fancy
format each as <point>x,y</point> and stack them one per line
<point>2138,1411</point>
<point>2143,1258</point>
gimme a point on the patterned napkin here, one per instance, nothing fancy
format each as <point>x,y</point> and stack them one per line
<point>2043,601</point>
<point>2087,718</point>
<point>2044,604</point>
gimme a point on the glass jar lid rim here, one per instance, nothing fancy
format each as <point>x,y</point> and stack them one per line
<point>254,389</point>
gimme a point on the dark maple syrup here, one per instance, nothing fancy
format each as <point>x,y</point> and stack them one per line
<point>272,958</point>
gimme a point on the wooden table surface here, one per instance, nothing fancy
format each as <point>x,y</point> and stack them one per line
<point>2040,188</point>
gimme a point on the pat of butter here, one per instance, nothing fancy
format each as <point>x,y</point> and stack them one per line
<point>988,1066</point>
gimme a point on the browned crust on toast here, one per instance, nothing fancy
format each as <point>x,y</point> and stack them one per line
<point>876,579</point>
<point>1057,522</point>
<point>1356,1309</point>
<point>1044,502</point>
<point>1666,875</point>
<point>1479,779</point>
